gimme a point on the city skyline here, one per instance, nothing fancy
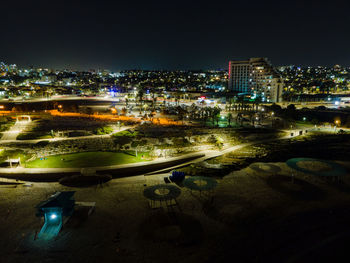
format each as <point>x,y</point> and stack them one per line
<point>153,35</point>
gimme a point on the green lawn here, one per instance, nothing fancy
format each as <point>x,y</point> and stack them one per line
<point>12,154</point>
<point>87,159</point>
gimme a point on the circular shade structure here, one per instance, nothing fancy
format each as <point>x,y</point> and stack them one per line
<point>334,168</point>
<point>162,192</point>
<point>200,183</point>
<point>265,168</point>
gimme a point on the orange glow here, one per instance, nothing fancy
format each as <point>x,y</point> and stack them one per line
<point>160,121</point>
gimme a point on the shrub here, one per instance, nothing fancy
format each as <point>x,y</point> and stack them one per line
<point>138,143</point>
<point>103,130</point>
<point>42,143</point>
<point>180,142</point>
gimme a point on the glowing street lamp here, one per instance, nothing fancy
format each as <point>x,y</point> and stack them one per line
<point>53,216</point>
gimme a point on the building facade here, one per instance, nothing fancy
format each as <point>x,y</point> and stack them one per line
<point>256,77</point>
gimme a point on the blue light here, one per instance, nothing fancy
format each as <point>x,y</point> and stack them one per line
<point>53,216</point>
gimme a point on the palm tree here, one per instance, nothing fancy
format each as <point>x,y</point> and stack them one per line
<point>229,118</point>
<point>140,95</point>
<point>216,114</point>
<point>240,100</point>
<point>258,100</point>
<point>154,100</point>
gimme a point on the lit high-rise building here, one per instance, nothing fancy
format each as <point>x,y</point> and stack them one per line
<point>256,77</point>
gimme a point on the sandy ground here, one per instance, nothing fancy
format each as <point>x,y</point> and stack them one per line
<point>253,216</point>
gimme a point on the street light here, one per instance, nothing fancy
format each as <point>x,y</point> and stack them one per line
<point>53,216</point>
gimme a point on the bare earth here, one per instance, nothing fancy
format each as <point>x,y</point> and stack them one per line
<point>251,217</point>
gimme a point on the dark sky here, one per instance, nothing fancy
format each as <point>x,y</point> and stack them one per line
<point>173,34</point>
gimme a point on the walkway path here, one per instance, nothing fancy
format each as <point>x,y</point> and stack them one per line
<point>209,154</point>
<point>13,132</point>
<point>151,167</point>
<point>18,129</point>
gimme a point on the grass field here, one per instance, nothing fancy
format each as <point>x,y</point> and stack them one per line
<point>87,159</point>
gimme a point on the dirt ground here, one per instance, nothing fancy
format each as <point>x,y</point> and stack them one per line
<point>254,215</point>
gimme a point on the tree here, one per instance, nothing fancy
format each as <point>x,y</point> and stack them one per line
<point>124,111</point>
<point>315,121</point>
<point>178,97</point>
<point>154,101</point>
<point>276,108</point>
<point>229,118</point>
<point>89,111</point>
<point>326,86</point>
<point>140,95</point>
<point>216,115</point>
<point>286,96</point>
<point>258,100</point>
<point>240,101</point>
<point>181,112</point>
<point>291,107</point>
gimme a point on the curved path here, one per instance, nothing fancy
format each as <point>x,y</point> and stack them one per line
<point>54,174</point>
<point>210,154</point>
<point>8,139</point>
<point>156,166</point>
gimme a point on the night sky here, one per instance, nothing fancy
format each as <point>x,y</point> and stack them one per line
<point>172,34</point>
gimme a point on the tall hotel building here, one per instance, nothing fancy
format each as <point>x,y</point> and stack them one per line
<point>256,77</point>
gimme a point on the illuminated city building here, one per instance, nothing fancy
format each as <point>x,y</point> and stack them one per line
<point>256,77</point>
